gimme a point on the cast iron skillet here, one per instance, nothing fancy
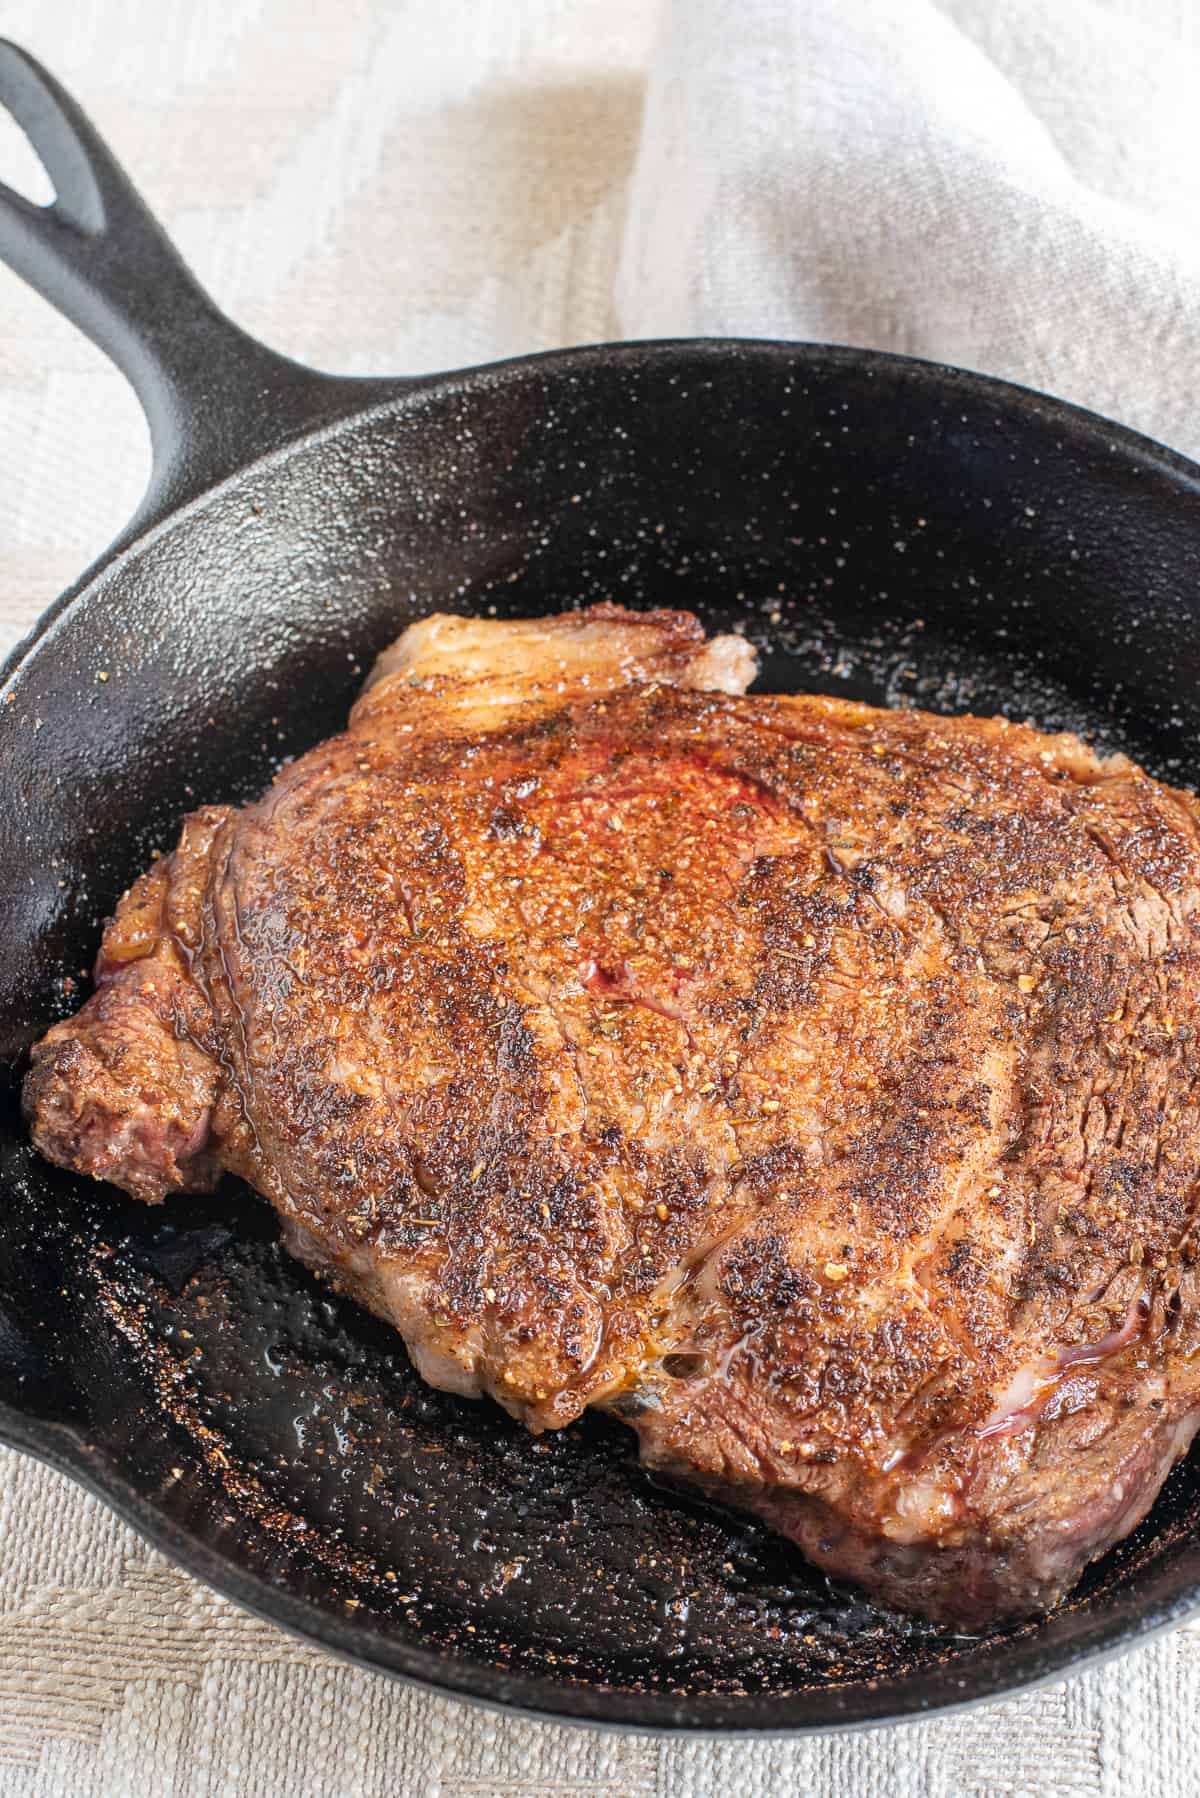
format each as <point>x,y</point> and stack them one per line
<point>879,527</point>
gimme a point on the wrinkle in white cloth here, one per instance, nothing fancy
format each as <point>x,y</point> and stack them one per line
<point>1004,184</point>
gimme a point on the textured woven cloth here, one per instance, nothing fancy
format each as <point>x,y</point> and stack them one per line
<point>1004,184</point>
<point>378,186</point>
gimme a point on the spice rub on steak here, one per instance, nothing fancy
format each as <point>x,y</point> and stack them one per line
<point>811,1085</point>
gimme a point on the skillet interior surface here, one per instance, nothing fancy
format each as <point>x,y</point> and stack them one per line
<point>879,528</point>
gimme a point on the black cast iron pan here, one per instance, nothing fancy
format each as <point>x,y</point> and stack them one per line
<point>880,527</point>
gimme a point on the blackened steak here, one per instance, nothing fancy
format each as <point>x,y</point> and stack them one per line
<point>813,1086</point>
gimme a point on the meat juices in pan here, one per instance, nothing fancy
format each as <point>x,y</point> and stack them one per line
<point>810,1085</point>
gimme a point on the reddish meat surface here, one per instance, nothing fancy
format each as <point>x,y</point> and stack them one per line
<point>811,1085</point>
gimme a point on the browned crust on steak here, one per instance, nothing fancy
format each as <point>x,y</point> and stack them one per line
<point>811,1084</point>
<point>127,1089</point>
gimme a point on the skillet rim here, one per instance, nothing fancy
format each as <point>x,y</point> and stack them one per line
<point>930,1692</point>
<point>435,1671</point>
<point>139,534</point>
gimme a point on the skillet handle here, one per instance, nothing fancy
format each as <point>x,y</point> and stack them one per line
<point>213,396</point>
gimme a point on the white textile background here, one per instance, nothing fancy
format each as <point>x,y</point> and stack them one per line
<point>1009,185</point>
<point>397,185</point>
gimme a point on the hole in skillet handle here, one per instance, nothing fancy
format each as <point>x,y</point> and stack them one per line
<point>21,168</point>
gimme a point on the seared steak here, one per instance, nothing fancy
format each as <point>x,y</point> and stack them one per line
<point>813,1086</point>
